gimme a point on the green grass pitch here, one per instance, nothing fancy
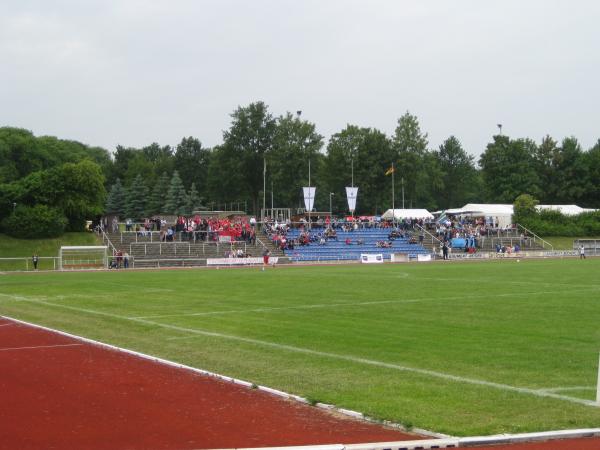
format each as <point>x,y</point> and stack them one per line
<point>457,348</point>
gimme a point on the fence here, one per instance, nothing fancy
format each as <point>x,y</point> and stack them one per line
<point>591,246</point>
<point>26,264</point>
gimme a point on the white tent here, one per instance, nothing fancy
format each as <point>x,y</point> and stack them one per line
<point>493,212</point>
<point>399,214</point>
<point>567,210</point>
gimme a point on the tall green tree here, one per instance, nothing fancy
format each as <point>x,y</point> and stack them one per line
<point>158,195</point>
<point>370,152</point>
<point>410,145</point>
<point>193,201</point>
<point>295,142</point>
<point>592,162</point>
<point>191,162</point>
<point>458,174</point>
<point>116,200</point>
<point>137,195</point>
<point>570,172</point>
<point>508,169</point>
<point>176,199</point>
<point>246,144</point>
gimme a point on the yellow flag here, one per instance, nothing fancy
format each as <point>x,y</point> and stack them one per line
<point>390,171</point>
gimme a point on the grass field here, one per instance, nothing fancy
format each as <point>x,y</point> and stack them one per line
<point>24,248</point>
<point>457,348</point>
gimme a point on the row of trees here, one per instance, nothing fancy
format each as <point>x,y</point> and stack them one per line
<point>143,181</point>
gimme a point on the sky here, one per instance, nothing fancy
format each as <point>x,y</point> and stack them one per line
<point>133,72</point>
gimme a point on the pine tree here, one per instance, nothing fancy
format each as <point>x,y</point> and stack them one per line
<point>115,203</point>
<point>193,200</point>
<point>176,196</point>
<point>159,195</point>
<point>136,198</point>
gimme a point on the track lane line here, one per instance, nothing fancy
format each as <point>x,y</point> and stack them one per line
<point>35,347</point>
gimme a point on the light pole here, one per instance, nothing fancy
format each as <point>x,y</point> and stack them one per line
<point>331,194</point>
<point>500,128</point>
<point>14,206</point>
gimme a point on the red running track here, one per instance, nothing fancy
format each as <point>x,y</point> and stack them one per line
<point>61,393</point>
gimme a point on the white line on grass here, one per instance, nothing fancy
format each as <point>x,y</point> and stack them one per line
<point>348,358</point>
<point>569,388</point>
<point>336,305</point>
<point>495,280</point>
<point>39,346</point>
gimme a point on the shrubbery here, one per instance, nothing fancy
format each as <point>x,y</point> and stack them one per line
<point>553,223</point>
<point>39,221</point>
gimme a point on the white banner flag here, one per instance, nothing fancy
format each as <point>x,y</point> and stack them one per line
<point>351,194</point>
<point>309,197</point>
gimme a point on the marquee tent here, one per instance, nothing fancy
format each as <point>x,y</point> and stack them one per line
<point>399,214</point>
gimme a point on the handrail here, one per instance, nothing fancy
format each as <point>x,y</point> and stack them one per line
<point>108,241</point>
<point>433,238</point>
<point>535,236</point>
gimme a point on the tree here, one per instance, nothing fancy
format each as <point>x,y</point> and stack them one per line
<point>193,201</point>
<point>410,146</point>
<point>115,202</point>
<point>246,145</point>
<point>458,174</point>
<point>191,161</point>
<point>136,198</point>
<point>570,172</point>
<point>158,196</point>
<point>295,142</point>
<point>592,162</point>
<point>371,152</point>
<point>524,208</point>
<point>508,169</point>
<point>176,196</point>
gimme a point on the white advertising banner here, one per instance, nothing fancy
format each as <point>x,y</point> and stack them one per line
<point>351,194</point>
<point>309,197</point>
<point>369,258</point>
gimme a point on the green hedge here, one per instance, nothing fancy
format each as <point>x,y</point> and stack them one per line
<point>39,221</point>
<point>553,223</point>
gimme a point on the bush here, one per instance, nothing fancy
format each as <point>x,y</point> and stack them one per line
<point>38,221</point>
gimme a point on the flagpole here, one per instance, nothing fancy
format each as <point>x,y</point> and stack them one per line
<point>393,199</point>
<point>352,168</point>
<point>402,192</point>
<point>309,195</point>
<point>264,187</point>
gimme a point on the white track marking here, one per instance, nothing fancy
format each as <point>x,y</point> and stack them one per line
<point>348,358</point>
<point>39,346</point>
<point>6,324</point>
<point>337,305</point>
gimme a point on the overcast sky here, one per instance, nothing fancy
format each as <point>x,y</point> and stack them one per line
<point>108,72</point>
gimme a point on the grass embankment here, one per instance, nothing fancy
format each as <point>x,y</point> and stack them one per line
<point>459,348</point>
<point>24,248</point>
<point>565,242</point>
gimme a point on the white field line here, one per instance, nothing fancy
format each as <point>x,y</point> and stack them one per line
<point>495,280</point>
<point>569,388</point>
<point>348,358</point>
<point>136,287</point>
<point>38,346</point>
<point>378,302</point>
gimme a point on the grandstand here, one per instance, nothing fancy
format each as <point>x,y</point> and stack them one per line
<point>338,250</point>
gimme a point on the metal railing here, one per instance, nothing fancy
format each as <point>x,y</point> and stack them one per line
<point>545,244</point>
<point>26,264</point>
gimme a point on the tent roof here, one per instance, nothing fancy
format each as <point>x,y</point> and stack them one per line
<point>483,209</point>
<point>407,214</point>
<point>567,210</point>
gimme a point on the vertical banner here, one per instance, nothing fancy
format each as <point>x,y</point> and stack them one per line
<point>309,197</point>
<point>351,194</point>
